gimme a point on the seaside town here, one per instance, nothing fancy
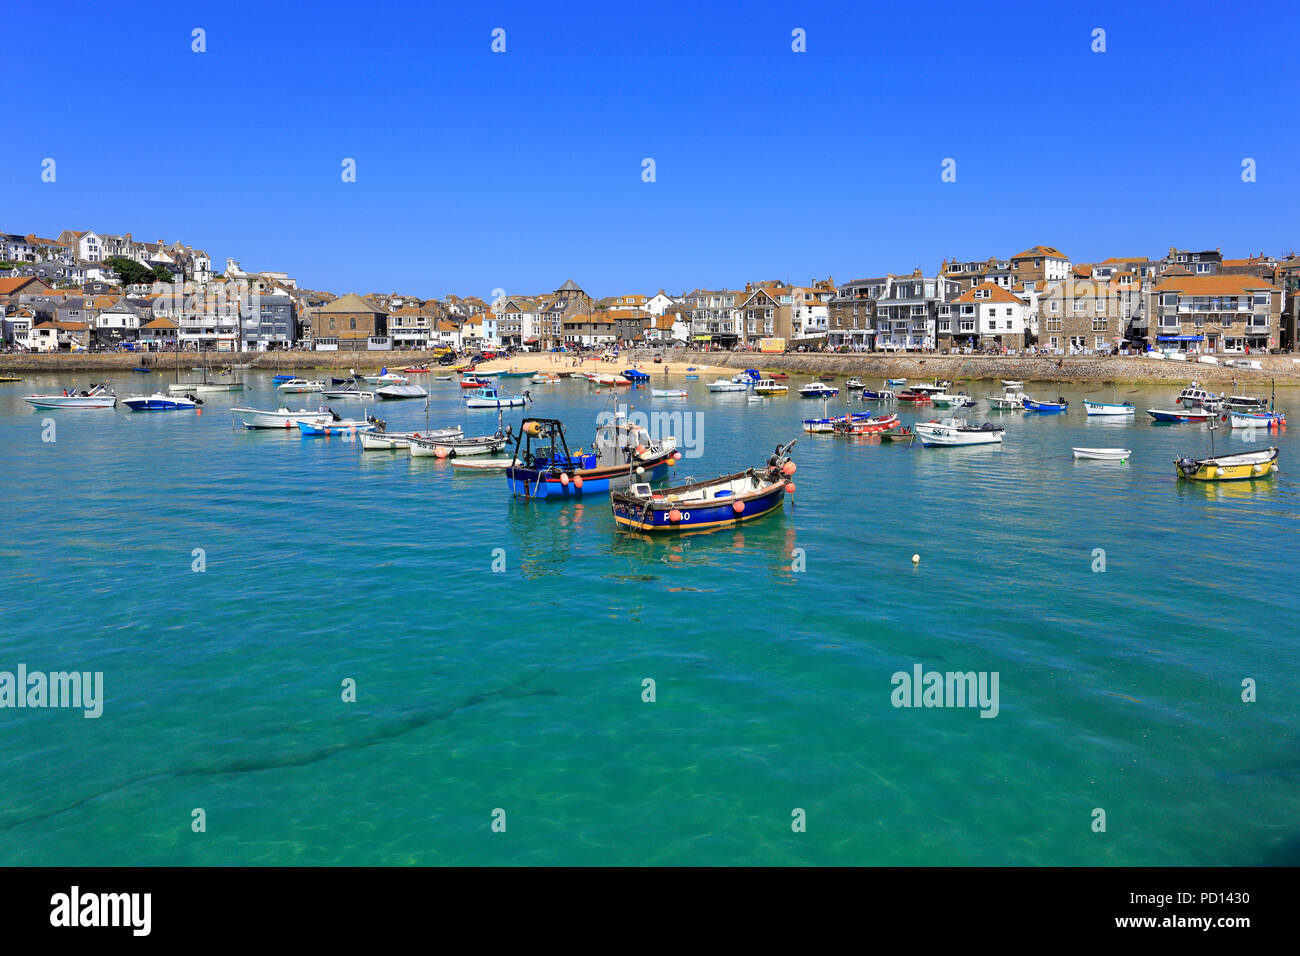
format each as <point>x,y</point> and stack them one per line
<point>89,291</point>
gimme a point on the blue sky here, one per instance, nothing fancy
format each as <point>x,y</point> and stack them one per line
<point>478,171</point>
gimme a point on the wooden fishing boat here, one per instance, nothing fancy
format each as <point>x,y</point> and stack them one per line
<point>97,396</point>
<point>1108,409</point>
<point>1183,415</point>
<point>391,441</point>
<point>1102,454</point>
<point>955,431</point>
<point>604,378</point>
<point>624,452</point>
<point>457,446</point>
<point>723,502</point>
<point>1251,464</point>
<point>1256,419</point>
<point>900,432</point>
<point>1060,405</point>
<point>767,386</point>
<point>160,402</point>
<point>864,425</point>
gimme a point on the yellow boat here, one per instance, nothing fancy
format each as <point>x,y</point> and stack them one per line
<point>1254,464</point>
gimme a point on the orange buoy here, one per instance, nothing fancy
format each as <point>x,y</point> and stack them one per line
<point>788,469</point>
<point>577,481</point>
<point>564,477</point>
<point>789,488</point>
<point>640,449</point>
<point>674,516</point>
<point>677,456</point>
<point>737,506</point>
<point>440,452</point>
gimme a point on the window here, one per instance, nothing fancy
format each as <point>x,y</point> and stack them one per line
<point>352,324</point>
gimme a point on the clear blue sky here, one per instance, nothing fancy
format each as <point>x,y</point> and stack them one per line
<point>519,170</point>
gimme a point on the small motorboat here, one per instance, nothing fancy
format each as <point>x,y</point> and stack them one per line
<point>956,431</point>
<point>636,377</point>
<point>470,380</point>
<point>750,376</point>
<point>1182,415</point>
<point>395,392</point>
<point>1109,409</point>
<point>416,369</point>
<point>386,377</point>
<point>878,395</point>
<point>1251,464</point>
<point>457,446</point>
<point>1010,401</point>
<point>513,373</point>
<point>314,428</point>
<point>1245,403</point>
<point>97,396</point>
<point>1060,405</point>
<point>902,433</point>
<point>349,391</point>
<point>546,378</point>
<point>864,424</point>
<point>624,452</point>
<point>1012,383</point>
<point>160,402</point>
<point>855,384</point>
<point>778,376</point>
<point>668,392</point>
<point>1102,454</point>
<point>489,397</point>
<point>280,418</point>
<point>722,385</point>
<point>910,397</point>
<point>818,390</point>
<point>956,400</point>
<point>895,382</point>
<point>767,386</point>
<point>296,385</point>
<point>707,505</point>
<point>1193,396</point>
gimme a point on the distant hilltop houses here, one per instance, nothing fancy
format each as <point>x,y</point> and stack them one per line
<point>88,290</point>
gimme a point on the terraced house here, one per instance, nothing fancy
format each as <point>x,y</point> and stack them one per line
<point>1086,316</point>
<point>517,320</point>
<point>1039,265</point>
<point>566,304</point>
<point>767,311</point>
<point>851,313</point>
<point>987,316</point>
<point>907,312</point>
<point>1218,313</point>
<point>714,315</point>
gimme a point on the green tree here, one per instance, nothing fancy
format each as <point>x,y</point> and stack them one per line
<point>129,272</point>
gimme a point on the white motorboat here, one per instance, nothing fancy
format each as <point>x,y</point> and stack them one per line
<point>301,385</point>
<point>161,402</point>
<point>1012,383</point>
<point>545,378</point>
<point>186,388</point>
<point>349,392</point>
<point>386,377</point>
<point>1110,409</point>
<point>855,384</point>
<point>1010,401</point>
<point>1193,396</point>
<point>723,385</point>
<point>1102,454</point>
<point>769,386</point>
<point>395,392</point>
<point>280,418</point>
<point>932,388</point>
<point>958,400</point>
<point>955,431</point>
<point>391,441</point>
<point>818,390</point>
<point>488,397</point>
<point>97,396</point>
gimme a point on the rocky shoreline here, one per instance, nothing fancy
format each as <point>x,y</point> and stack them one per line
<point>871,367</point>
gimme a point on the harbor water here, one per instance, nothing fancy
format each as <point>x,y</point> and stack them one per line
<point>533,686</point>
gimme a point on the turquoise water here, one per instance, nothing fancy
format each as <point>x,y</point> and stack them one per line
<point>521,689</point>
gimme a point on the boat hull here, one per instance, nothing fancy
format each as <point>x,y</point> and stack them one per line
<point>705,516</point>
<point>71,401</point>
<point>1108,409</point>
<point>1260,464</point>
<point>1171,417</point>
<point>544,483</point>
<point>1102,454</point>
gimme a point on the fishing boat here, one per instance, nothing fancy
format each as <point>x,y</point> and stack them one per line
<point>878,395</point>
<point>910,397</point>
<point>396,392</point>
<point>488,397</point>
<point>723,502</point>
<point>546,378</point>
<point>955,400</point>
<point>97,396</point>
<point>1110,409</point>
<point>817,390</point>
<point>1011,400</point>
<point>895,382</point>
<point>457,446</point>
<point>767,386</point>
<point>722,385</point>
<point>1193,396</point>
<point>301,385</point>
<point>349,392</point>
<point>416,369</point>
<point>624,452</point>
<point>604,378</point>
<point>636,377</point>
<point>1245,403</point>
<point>1102,454</point>
<point>391,441</point>
<point>669,392</point>
<point>855,384</point>
<point>900,432</point>
<point>513,373</point>
<point>280,418</point>
<point>1060,405</point>
<point>956,431</point>
<point>314,428</point>
<point>161,402</point>
<point>1012,383</point>
<point>1256,419</point>
<point>932,388</point>
<point>469,380</point>
<point>1251,464</point>
<point>864,425</point>
<point>1183,415</point>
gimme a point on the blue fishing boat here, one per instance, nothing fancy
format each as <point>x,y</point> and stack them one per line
<point>546,468</point>
<point>1060,405</point>
<point>635,377</point>
<point>1180,415</point>
<point>707,505</point>
<point>315,428</point>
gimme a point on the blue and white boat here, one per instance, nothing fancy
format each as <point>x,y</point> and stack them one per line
<point>1257,419</point>
<point>1060,405</point>
<point>624,452</point>
<point>878,395</point>
<point>158,402</point>
<point>818,390</point>
<point>635,377</point>
<point>1112,409</point>
<point>315,428</point>
<point>749,376</point>
<point>489,397</point>
<point>707,505</point>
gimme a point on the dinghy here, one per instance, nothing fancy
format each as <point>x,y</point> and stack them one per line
<point>864,425</point>
<point>1110,409</point>
<point>280,418</point>
<point>484,465</point>
<point>314,428</point>
<point>668,392</point>
<point>1102,454</point>
<point>707,505</point>
<point>1060,405</point>
<point>391,441</point>
<point>457,446</point>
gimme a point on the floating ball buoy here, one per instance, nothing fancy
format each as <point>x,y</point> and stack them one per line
<point>564,477</point>
<point>737,506</point>
<point>788,469</point>
<point>789,487</point>
<point>577,481</point>
<point>674,516</point>
<point>916,559</point>
<point>440,452</point>
<point>640,470</point>
<point>677,456</point>
<point>198,411</point>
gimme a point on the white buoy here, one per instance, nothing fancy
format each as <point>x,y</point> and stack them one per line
<point>916,559</point>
